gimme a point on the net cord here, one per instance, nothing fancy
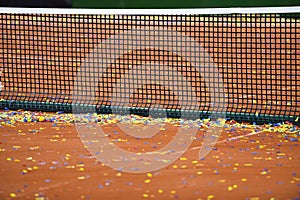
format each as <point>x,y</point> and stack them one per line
<point>190,11</point>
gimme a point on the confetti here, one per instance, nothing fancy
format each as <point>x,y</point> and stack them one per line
<point>255,146</point>
<point>147,181</point>
<point>145,195</point>
<point>160,191</point>
<point>173,192</point>
<point>12,195</point>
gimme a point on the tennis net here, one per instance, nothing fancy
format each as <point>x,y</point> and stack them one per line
<point>244,62</point>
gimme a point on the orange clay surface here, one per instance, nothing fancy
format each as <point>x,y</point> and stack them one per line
<point>46,160</point>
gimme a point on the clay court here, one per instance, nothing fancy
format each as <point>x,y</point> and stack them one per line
<point>46,160</point>
<point>42,156</point>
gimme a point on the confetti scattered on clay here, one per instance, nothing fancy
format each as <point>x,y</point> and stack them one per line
<point>11,117</point>
<point>44,159</point>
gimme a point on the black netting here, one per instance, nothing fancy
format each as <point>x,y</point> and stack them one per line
<point>244,65</point>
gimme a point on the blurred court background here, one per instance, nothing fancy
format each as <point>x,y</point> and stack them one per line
<point>147,4</point>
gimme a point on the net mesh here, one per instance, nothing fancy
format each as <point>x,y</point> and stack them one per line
<point>255,59</point>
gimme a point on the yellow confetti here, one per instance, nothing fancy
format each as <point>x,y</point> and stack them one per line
<point>147,181</point>
<point>35,167</point>
<point>296,179</point>
<point>81,169</point>
<point>12,195</point>
<point>40,198</point>
<point>149,175</point>
<point>182,158</point>
<point>229,188</point>
<point>244,179</point>
<point>199,173</point>
<point>210,196</point>
<point>81,178</point>
<point>173,192</point>
<point>29,158</point>
<point>145,195</point>
<point>41,118</point>
<point>160,191</point>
